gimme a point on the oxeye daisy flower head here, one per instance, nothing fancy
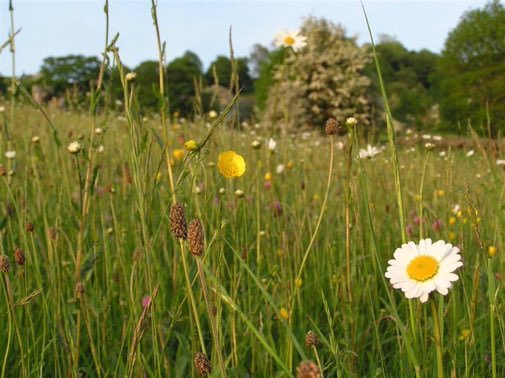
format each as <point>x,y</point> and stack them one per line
<point>419,269</point>
<point>292,39</point>
<point>231,164</point>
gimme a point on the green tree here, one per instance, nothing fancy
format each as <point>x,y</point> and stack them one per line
<point>181,75</point>
<point>408,77</point>
<point>71,71</point>
<point>471,72</point>
<point>223,68</point>
<point>266,69</point>
<point>147,83</point>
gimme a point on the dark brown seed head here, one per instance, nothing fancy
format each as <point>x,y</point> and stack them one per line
<point>19,256</point>
<point>5,264</point>
<point>178,221</point>
<point>202,364</point>
<point>53,234</point>
<point>196,237</point>
<point>307,369</point>
<point>29,227</point>
<point>331,126</point>
<point>79,289</point>
<point>311,339</point>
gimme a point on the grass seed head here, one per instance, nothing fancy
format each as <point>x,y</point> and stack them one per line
<point>5,264</point>
<point>308,369</point>
<point>178,221</point>
<point>332,126</point>
<point>196,237</point>
<point>311,339</point>
<point>202,364</point>
<point>19,256</point>
<point>29,227</point>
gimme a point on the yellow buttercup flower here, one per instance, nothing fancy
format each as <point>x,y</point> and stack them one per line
<point>191,145</point>
<point>452,221</point>
<point>298,282</point>
<point>465,334</point>
<point>268,176</point>
<point>492,251</point>
<point>231,164</point>
<point>178,154</point>
<point>284,314</point>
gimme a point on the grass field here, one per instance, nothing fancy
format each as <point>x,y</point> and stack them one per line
<point>62,316</point>
<point>104,275</point>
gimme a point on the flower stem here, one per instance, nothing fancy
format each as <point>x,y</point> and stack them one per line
<point>438,340</point>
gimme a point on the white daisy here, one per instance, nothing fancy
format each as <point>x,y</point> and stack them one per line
<point>291,39</point>
<point>417,270</point>
<point>369,153</point>
<point>272,144</point>
<point>470,153</point>
<point>10,154</point>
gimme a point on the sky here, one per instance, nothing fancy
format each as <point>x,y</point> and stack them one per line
<point>62,27</point>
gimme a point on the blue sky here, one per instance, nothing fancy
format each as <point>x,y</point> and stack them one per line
<point>60,27</point>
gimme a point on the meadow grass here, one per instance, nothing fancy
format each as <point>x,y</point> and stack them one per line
<point>108,290</point>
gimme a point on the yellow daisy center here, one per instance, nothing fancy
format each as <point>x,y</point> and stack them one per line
<point>422,268</point>
<point>288,40</point>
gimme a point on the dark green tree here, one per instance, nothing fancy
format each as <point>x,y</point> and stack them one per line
<point>71,71</point>
<point>471,73</point>
<point>223,68</point>
<point>408,77</point>
<point>181,75</point>
<point>265,78</point>
<point>147,84</point>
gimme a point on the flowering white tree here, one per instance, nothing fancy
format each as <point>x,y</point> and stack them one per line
<point>323,79</point>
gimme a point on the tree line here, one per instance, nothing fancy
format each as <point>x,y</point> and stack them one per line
<point>463,85</point>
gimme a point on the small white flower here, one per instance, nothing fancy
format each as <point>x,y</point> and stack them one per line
<point>351,122</point>
<point>98,130</point>
<point>291,39</point>
<point>74,147</point>
<point>212,114</point>
<point>10,154</point>
<point>429,146</point>
<point>369,153</point>
<point>339,145</point>
<point>456,209</point>
<point>131,76</point>
<point>305,135</point>
<point>256,144</point>
<point>426,136</point>
<point>408,131</point>
<point>417,270</point>
<point>272,144</point>
<point>35,139</point>
<point>470,153</point>
<point>280,169</point>
<point>101,148</point>
<point>239,193</point>
<point>437,138</point>
<point>442,153</point>
<point>221,191</point>
<point>2,109</point>
<point>500,162</point>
